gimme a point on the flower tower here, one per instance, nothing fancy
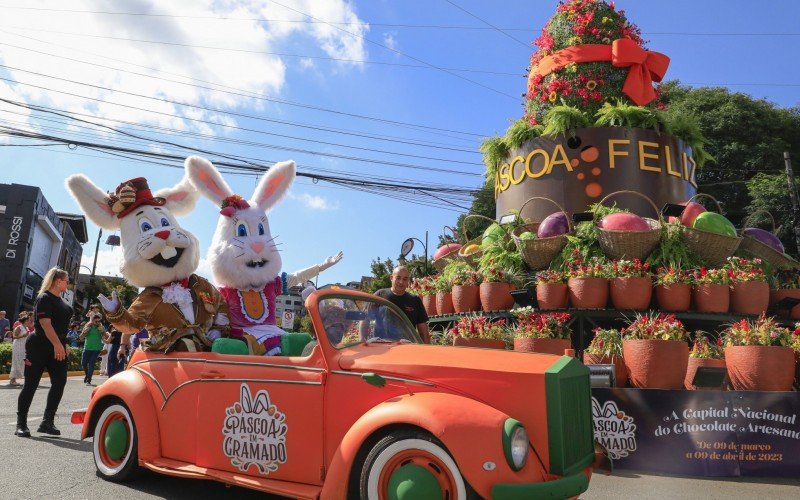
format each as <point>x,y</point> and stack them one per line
<point>593,121</point>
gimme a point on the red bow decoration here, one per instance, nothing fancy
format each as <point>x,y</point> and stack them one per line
<point>645,66</point>
<point>233,203</point>
<point>184,283</point>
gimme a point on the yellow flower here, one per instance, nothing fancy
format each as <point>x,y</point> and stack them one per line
<point>606,20</point>
<point>552,97</point>
<point>591,84</point>
<point>572,68</point>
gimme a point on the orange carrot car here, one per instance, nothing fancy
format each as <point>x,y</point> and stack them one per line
<point>369,411</point>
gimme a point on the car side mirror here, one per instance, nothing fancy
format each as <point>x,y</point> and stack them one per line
<point>373,379</point>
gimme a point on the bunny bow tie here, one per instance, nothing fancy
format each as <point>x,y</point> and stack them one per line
<point>184,283</point>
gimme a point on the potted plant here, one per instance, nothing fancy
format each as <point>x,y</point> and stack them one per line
<point>495,288</point>
<point>466,291</point>
<point>749,288</point>
<point>655,351</point>
<point>631,284</point>
<point>588,283</point>
<point>710,290</point>
<point>787,284</point>
<point>759,355</point>
<point>541,332</point>
<point>444,296</point>
<point>673,290</point>
<point>424,287</point>
<point>551,290</point>
<point>605,349</point>
<point>704,353</point>
<point>480,331</point>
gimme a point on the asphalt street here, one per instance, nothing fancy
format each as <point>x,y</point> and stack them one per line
<point>44,467</point>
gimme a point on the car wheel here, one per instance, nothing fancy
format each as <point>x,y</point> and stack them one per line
<point>411,465</point>
<point>115,444</point>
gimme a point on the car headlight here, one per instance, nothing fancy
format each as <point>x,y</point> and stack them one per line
<point>515,443</point>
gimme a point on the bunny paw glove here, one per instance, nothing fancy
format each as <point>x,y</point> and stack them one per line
<point>109,304</point>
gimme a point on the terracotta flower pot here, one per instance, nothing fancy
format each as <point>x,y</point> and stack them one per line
<point>444,303</point>
<point>656,364</point>
<point>675,298</point>
<point>552,295</point>
<point>496,296</point>
<point>760,368</point>
<point>429,303</point>
<point>694,364</point>
<point>546,346</point>
<point>751,297</point>
<point>631,293</point>
<point>711,298</point>
<point>466,298</point>
<point>617,361</point>
<point>477,342</point>
<point>588,293</point>
<point>776,296</point>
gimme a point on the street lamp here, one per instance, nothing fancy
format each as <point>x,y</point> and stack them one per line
<point>112,240</point>
<point>408,245</point>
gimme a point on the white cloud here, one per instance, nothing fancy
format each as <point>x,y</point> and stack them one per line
<point>306,63</point>
<point>107,262</point>
<point>315,202</point>
<point>390,39</point>
<point>247,69</point>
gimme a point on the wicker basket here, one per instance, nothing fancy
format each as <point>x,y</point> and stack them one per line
<point>631,244</point>
<point>473,258</point>
<point>765,252</point>
<point>441,262</point>
<point>713,248</point>
<point>539,253</point>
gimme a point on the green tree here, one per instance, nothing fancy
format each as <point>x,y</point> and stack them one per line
<point>483,203</point>
<point>769,192</point>
<point>125,292</point>
<point>381,270</point>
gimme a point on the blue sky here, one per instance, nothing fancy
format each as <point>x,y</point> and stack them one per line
<point>319,219</point>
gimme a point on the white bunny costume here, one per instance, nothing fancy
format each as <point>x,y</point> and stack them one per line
<point>179,309</point>
<point>244,256</point>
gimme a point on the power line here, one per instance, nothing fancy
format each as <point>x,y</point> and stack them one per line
<point>412,126</point>
<point>378,44</point>
<point>484,21</point>
<point>369,23</point>
<point>273,146</point>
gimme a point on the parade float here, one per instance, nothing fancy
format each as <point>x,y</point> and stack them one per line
<point>599,227</point>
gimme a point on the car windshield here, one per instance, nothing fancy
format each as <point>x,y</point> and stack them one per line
<point>349,322</point>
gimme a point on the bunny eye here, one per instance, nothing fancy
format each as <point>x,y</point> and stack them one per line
<point>260,229</point>
<point>145,225</point>
<point>164,222</point>
<point>241,230</point>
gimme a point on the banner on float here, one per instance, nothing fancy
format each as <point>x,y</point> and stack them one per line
<point>700,433</point>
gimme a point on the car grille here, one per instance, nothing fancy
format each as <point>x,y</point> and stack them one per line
<point>569,416</point>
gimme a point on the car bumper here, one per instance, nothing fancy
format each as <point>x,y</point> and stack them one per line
<point>565,487</point>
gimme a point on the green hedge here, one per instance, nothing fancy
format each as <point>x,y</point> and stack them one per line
<point>5,358</point>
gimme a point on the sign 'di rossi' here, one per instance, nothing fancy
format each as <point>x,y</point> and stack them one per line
<point>580,170</point>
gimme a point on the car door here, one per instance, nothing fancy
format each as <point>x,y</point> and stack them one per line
<point>262,416</point>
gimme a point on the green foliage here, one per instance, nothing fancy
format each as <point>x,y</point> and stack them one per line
<point>563,120</point>
<point>687,127</point>
<point>672,250</point>
<point>769,192</point>
<point>521,132</point>
<point>495,150</point>
<point>126,292</point>
<point>382,271</point>
<point>73,358</point>
<point>584,244</point>
<point>623,114</point>
<point>305,325</point>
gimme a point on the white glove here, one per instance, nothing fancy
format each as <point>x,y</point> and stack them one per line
<point>330,261</point>
<point>109,304</point>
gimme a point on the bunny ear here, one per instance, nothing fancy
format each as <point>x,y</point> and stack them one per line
<point>93,201</point>
<point>206,179</point>
<point>274,185</point>
<point>181,198</point>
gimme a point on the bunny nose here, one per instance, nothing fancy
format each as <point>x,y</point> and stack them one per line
<point>162,234</point>
<point>257,247</point>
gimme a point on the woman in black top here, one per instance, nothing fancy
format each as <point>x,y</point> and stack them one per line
<point>46,349</point>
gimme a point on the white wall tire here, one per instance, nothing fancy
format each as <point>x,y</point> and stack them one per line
<point>416,448</point>
<point>116,461</point>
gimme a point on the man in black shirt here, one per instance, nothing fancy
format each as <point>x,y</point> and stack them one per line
<point>410,304</point>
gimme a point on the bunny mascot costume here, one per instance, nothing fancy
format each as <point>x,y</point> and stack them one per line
<point>244,257</point>
<point>180,310</point>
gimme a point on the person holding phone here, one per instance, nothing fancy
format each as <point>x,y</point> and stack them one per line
<point>46,349</point>
<point>92,337</point>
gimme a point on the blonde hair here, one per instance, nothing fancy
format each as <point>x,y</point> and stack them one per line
<point>53,274</point>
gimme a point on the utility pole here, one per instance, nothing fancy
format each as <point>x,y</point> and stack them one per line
<point>96,251</point>
<point>793,194</point>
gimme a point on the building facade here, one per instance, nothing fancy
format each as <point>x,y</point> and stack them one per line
<point>34,238</point>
